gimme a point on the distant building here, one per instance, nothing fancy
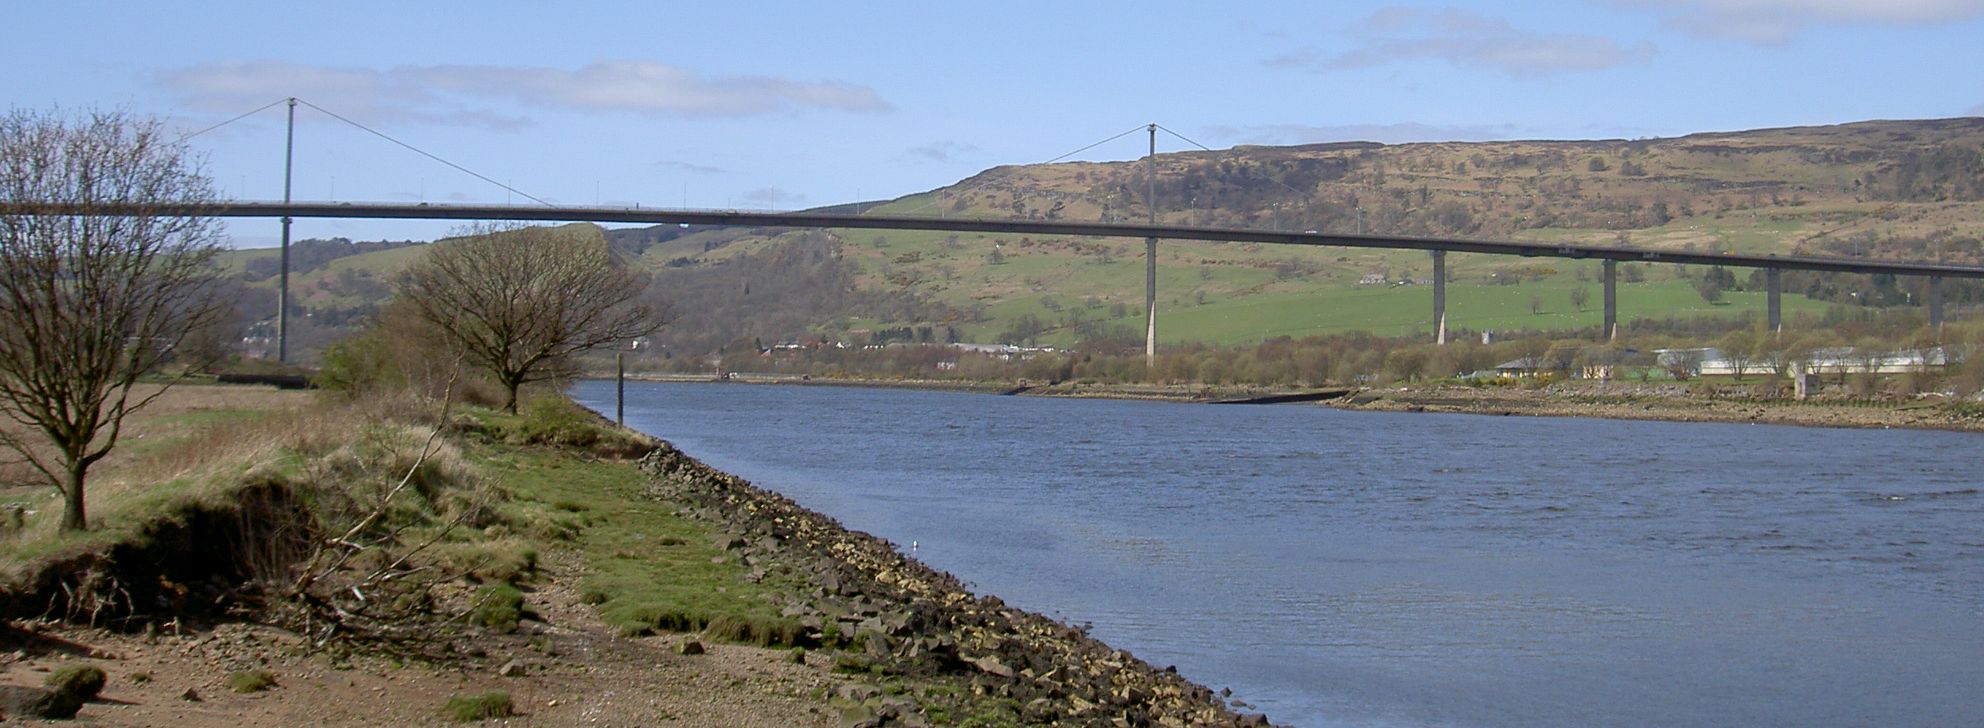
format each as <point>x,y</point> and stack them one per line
<point>1527,366</point>
<point>1372,279</point>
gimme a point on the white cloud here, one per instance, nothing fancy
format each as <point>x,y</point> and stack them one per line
<point>1776,21</point>
<point>1386,133</point>
<point>649,88</point>
<point>459,95</point>
<point>942,151</point>
<point>774,197</point>
<point>690,167</point>
<point>370,96</point>
<point>1465,39</point>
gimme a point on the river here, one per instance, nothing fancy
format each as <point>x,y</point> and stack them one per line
<point>1376,569</point>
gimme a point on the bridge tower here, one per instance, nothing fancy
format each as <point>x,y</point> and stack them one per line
<point>282,294</point>
<point>1150,254</point>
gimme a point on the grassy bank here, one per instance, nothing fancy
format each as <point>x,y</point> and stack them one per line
<point>411,533</point>
<point>482,497</point>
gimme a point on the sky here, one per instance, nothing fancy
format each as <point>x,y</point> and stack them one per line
<point>772,105</point>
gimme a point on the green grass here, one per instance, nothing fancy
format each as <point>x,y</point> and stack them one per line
<point>251,681</point>
<point>82,681</point>
<point>498,607</point>
<point>1231,294</point>
<point>1402,310</point>
<point>472,708</point>
<point>652,570</point>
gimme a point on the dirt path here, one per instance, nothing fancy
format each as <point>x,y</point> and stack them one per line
<point>577,672</point>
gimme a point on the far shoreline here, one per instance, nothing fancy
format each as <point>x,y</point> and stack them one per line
<point>1589,399</point>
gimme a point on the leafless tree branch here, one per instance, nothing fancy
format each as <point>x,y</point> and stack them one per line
<point>89,304</point>
<point>520,301</point>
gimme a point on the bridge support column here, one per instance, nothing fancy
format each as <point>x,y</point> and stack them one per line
<point>1610,273</point>
<point>1440,297</point>
<point>1936,305</point>
<point>1773,300</point>
<point>1150,302</point>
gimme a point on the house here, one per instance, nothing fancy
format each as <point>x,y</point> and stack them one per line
<point>1849,360</point>
<point>1372,279</point>
<point>1527,366</point>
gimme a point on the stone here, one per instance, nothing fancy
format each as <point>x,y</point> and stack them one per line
<point>190,696</point>
<point>22,702</point>
<point>992,666</point>
<point>688,647</point>
<point>512,668</point>
<point>857,692</point>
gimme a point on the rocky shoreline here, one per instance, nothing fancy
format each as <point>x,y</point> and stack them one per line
<point>899,617</point>
<point>1672,403</point>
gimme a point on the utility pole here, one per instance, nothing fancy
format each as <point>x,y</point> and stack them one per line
<point>1150,255</point>
<point>282,296</point>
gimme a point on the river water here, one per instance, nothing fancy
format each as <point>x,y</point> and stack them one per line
<point>1375,569</point>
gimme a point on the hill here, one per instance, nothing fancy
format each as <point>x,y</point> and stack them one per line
<point>1909,190</point>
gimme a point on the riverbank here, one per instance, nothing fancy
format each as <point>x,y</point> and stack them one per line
<point>1610,400</point>
<point>654,591</point>
<point>1673,403</point>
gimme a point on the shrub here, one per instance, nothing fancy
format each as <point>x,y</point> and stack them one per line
<point>251,681</point>
<point>495,558</point>
<point>556,421</point>
<point>82,681</point>
<point>498,607</point>
<point>471,708</point>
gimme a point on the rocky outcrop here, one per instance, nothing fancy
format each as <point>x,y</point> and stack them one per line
<point>893,615</point>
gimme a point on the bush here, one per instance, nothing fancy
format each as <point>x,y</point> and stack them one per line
<point>251,681</point>
<point>498,607</point>
<point>471,708</point>
<point>81,681</point>
<point>401,352</point>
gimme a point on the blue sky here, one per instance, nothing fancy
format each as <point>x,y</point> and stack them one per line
<point>788,105</point>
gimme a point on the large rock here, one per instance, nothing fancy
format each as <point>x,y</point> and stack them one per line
<point>20,702</point>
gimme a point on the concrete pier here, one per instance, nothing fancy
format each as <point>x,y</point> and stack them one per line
<point>1440,297</point>
<point>1773,300</point>
<point>1936,305</point>
<point>1610,332</point>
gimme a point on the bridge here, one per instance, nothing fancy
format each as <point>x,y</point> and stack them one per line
<point>1151,232</point>
<point>1609,257</point>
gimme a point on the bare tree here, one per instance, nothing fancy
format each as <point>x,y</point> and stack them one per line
<point>90,303</point>
<point>1739,349</point>
<point>520,301</point>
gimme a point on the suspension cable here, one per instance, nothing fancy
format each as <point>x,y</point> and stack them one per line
<point>235,119</point>
<point>934,199</point>
<point>427,154</point>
